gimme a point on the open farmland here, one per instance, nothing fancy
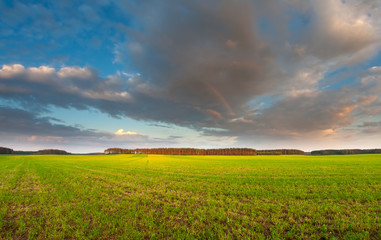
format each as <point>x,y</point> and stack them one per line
<point>180,197</point>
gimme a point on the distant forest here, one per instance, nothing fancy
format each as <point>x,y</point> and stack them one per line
<point>196,151</point>
<point>346,151</point>
<point>237,151</point>
<point>4,150</point>
<point>281,152</point>
<point>183,151</point>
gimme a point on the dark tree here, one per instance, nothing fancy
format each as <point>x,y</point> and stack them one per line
<point>52,151</point>
<point>117,151</point>
<point>4,150</point>
<point>183,151</point>
<point>345,151</point>
<point>281,152</point>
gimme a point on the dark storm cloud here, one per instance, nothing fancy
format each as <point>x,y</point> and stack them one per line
<point>315,112</point>
<point>202,63</point>
<point>17,125</point>
<point>69,87</point>
<point>307,112</point>
<point>206,56</point>
<point>21,122</point>
<point>202,54</point>
<point>81,88</point>
<point>371,124</point>
<point>369,128</point>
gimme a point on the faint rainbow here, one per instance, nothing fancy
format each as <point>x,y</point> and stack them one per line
<point>221,98</point>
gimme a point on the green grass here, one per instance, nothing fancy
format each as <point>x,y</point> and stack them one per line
<point>188,197</point>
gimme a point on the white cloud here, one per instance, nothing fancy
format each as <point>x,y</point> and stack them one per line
<point>8,71</point>
<point>342,31</point>
<point>121,132</point>
<point>37,74</point>
<point>41,70</point>
<point>329,131</point>
<point>40,74</point>
<point>75,72</point>
<point>375,69</point>
<point>108,95</point>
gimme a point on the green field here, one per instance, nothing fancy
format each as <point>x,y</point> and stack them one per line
<point>188,197</point>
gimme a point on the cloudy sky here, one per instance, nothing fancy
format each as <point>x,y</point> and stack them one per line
<point>87,75</point>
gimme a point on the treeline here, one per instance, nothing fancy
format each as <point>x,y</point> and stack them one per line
<point>4,150</point>
<point>183,151</point>
<point>196,151</point>
<point>117,151</point>
<point>346,151</point>
<point>53,151</point>
<point>281,152</point>
<point>25,152</point>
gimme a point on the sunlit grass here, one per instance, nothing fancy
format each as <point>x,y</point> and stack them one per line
<point>180,197</point>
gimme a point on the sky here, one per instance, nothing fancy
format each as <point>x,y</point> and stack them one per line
<point>84,76</point>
